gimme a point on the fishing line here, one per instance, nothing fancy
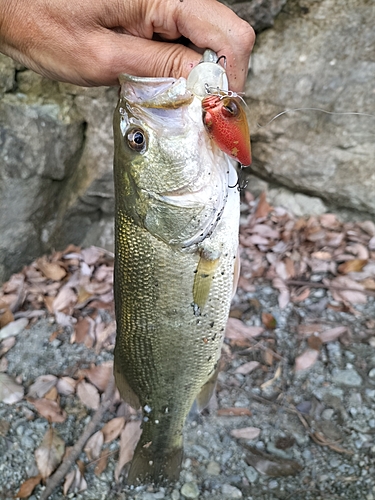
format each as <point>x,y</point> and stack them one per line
<point>339,113</point>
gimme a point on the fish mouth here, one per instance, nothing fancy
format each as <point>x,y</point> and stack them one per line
<point>166,93</point>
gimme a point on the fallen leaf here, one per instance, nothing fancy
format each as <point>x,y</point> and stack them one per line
<point>306,360</point>
<point>49,409</point>
<point>129,439</point>
<point>101,464</point>
<point>49,454</point>
<point>51,270</point>
<point>247,368</point>
<point>263,207</point>
<point>88,394</point>
<point>13,328</point>
<point>315,342</point>
<point>65,298</point>
<point>81,329</point>
<point>6,345</point>
<point>92,254</point>
<point>352,266</point>
<point>269,321</point>
<point>272,466</point>
<point>41,386</point>
<point>234,412</point>
<point>10,391</point>
<point>345,289</point>
<point>52,394</point>
<point>99,375</point>
<point>6,317</point>
<point>332,334</point>
<point>284,295</point>
<point>237,330</point>
<point>75,482</point>
<point>94,445</point>
<point>66,386</point>
<point>245,433</point>
<point>28,486</point>
<point>113,428</point>
<point>268,383</point>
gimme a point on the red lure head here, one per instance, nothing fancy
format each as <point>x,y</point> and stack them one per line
<point>226,122</point>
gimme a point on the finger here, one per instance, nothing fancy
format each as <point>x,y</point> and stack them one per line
<point>115,53</point>
<point>212,25</point>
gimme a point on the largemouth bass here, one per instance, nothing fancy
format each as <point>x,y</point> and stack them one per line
<point>176,238</point>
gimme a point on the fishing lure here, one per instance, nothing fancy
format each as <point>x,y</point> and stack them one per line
<point>225,120</point>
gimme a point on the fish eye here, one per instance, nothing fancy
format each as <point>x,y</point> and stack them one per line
<point>136,140</point>
<point>230,108</point>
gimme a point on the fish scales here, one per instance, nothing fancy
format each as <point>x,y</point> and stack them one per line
<point>176,236</point>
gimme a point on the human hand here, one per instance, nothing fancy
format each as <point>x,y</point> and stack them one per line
<point>90,42</point>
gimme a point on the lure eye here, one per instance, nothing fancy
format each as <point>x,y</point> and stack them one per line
<point>136,140</point>
<point>230,108</point>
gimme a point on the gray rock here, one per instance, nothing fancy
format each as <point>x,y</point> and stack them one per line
<point>348,378</point>
<point>190,490</point>
<point>251,474</point>
<point>231,491</point>
<point>213,469</point>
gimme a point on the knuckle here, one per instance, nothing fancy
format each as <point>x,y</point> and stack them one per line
<point>247,35</point>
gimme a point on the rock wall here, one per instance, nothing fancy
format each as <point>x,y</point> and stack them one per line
<point>55,166</point>
<point>319,54</point>
<point>56,139</point>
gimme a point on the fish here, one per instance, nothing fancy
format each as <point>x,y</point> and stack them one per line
<point>176,258</point>
<point>225,119</point>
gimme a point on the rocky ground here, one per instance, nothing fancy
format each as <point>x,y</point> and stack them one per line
<point>294,412</point>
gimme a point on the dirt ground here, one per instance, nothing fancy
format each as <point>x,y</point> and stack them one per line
<point>294,412</point>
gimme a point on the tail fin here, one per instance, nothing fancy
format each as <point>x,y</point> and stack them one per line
<point>153,466</point>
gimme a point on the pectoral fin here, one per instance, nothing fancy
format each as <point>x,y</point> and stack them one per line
<point>203,279</point>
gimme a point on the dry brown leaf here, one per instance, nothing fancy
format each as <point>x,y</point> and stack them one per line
<point>310,329</point>
<point>66,386</point>
<point>99,375</point>
<point>28,486</point>
<point>65,298</point>
<point>3,365</point>
<point>268,357</point>
<point>10,391</point>
<point>348,291</point>
<point>51,270</point>
<point>113,428</point>
<point>52,394</point>
<point>332,334</point>
<point>306,360</point>
<point>6,345</point>
<point>92,254</point>
<point>129,439</point>
<point>49,409</point>
<point>268,383</point>
<point>236,330</point>
<point>81,329</point>
<point>49,454</point>
<point>269,321</point>
<point>352,266</point>
<point>94,445</point>
<point>270,465</point>
<point>13,328</point>
<point>75,482</point>
<point>245,433</point>
<point>234,412</point>
<point>284,296</point>
<point>321,255</point>
<point>300,296</point>
<point>41,386</point>
<point>88,394</point>
<point>6,317</point>
<point>263,207</point>
<point>101,464</point>
<point>247,368</point>
<point>314,342</point>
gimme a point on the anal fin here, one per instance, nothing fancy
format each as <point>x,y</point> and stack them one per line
<point>207,389</point>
